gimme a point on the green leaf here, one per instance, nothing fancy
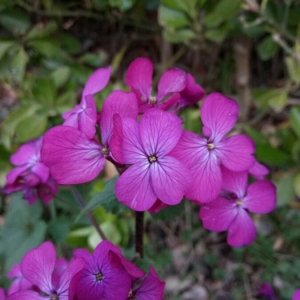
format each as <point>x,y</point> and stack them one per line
<point>227,9</point>
<point>293,69</point>
<point>12,121</point>
<point>187,6</point>
<point>61,76</point>
<point>294,118</point>
<point>65,102</point>
<point>275,98</point>
<point>18,64</point>
<point>285,189</point>
<point>38,32</point>
<point>5,46</point>
<point>272,156</point>
<point>70,44</point>
<point>107,199</point>
<point>31,127</point>
<point>22,230</point>
<point>179,36</point>
<point>15,20</point>
<point>168,17</point>
<point>297,185</point>
<point>94,59</point>
<point>267,48</point>
<point>59,228</point>
<point>218,34</point>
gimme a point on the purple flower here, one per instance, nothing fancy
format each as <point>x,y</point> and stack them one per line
<point>28,158</point>
<point>2,294</point>
<point>38,267</point>
<point>258,171</point>
<point>84,115</point>
<point>74,158</point>
<point>151,288</point>
<point>267,291</point>
<point>231,214</point>
<point>139,79</point>
<point>296,295</point>
<point>105,275</point>
<point>153,174</point>
<point>204,155</point>
<point>19,283</point>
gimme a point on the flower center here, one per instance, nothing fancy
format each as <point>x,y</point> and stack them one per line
<point>105,151</point>
<point>152,158</point>
<point>210,146</point>
<point>99,276</point>
<point>130,294</point>
<point>239,202</point>
<point>54,297</point>
<point>152,100</point>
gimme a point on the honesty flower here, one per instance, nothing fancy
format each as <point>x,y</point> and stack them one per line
<point>38,267</point>
<point>266,290</point>
<point>204,155</point>
<point>71,156</point>
<point>84,115</point>
<point>28,158</point>
<point>231,214</point>
<point>296,295</point>
<point>153,174</point>
<point>139,79</point>
<point>19,283</point>
<point>105,275</point>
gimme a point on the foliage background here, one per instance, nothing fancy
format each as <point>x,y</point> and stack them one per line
<point>247,49</point>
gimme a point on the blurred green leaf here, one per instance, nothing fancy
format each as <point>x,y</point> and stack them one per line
<point>274,98</point>
<point>272,156</point>
<point>38,32</point>
<point>285,189</point>
<point>59,228</point>
<point>212,20</point>
<point>188,6</point>
<point>294,118</point>
<point>61,76</point>
<point>122,5</point>
<point>15,20</point>
<point>169,213</point>
<point>70,44</point>
<point>94,59</point>
<point>293,69</point>
<point>179,36</point>
<point>5,46</point>
<point>18,64</point>
<point>227,9</point>
<point>218,34</point>
<point>21,236</point>
<point>31,127</point>
<point>267,48</point>
<point>65,102</point>
<point>44,91</point>
<point>297,185</point>
<point>168,17</point>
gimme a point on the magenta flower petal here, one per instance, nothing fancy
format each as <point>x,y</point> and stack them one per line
<point>172,81</point>
<point>170,180</point>
<point>235,182</point>
<point>104,247</point>
<point>219,114</point>
<point>218,214</point>
<point>25,295</point>
<point>73,268</point>
<point>170,102</point>
<point>97,81</point>
<point>118,102</point>
<point>20,283</point>
<point>71,156</point>
<point>134,189</point>
<point>261,197</point>
<point>160,131</point>
<point>236,152</point>
<point>192,92</point>
<point>72,120</point>
<point>139,76</point>
<point>24,154</point>
<point>152,288</point>
<point>296,295</point>
<point>88,117</point>
<point>156,207</point>
<point>242,231</point>
<point>258,171</point>
<point>15,173</point>
<point>38,264</point>
<point>41,170</point>
<point>2,294</point>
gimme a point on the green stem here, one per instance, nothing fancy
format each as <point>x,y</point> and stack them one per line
<point>139,233</point>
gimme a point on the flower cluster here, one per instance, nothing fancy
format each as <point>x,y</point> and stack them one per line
<point>106,274</point>
<point>31,175</point>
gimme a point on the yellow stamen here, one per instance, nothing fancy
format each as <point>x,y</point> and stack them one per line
<point>210,146</point>
<point>239,202</point>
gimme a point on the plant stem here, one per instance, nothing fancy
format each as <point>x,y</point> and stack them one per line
<point>88,213</point>
<point>139,233</point>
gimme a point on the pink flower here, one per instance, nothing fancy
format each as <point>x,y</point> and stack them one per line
<point>19,283</point>
<point>38,267</point>
<point>2,294</point>
<point>74,158</point>
<point>296,295</point>
<point>204,155</point>
<point>105,275</point>
<point>84,115</point>
<point>258,171</point>
<point>28,158</point>
<point>151,288</point>
<point>154,173</point>
<point>139,79</point>
<point>231,214</point>
<point>266,290</point>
